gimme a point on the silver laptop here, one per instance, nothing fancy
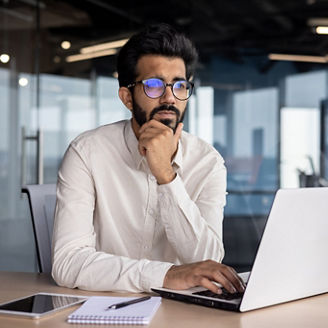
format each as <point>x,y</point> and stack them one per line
<point>291,262</point>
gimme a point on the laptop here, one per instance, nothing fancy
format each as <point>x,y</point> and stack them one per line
<point>291,261</point>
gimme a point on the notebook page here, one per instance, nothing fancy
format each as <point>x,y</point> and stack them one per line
<point>94,310</point>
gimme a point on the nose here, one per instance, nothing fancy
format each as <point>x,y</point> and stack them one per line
<point>168,97</point>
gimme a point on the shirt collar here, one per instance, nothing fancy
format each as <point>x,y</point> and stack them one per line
<point>132,144</point>
<point>177,160</point>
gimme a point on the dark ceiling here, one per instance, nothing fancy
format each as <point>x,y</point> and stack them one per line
<point>222,27</point>
<point>231,28</point>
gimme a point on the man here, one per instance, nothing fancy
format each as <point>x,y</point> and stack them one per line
<point>139,202</point>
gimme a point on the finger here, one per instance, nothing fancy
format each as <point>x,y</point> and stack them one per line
<point>143,144</point>
<point>214,271</point>
<point>233,277</point>
<point>149,132</point>
<point>142,150</point>
<point>144,128</point>
<point>154,135</point>
<point>226,283</point>
<point>146,138</point>
<point>206,283</point>
<point>152,123</point>
<point>236,280</point>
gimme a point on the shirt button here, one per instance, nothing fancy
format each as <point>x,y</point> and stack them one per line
<point>152,178</point>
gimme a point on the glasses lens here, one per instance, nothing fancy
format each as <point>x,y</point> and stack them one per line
<point>182,89</point>
<point>154,88</point>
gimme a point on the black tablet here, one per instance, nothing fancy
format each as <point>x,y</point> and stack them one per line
<point>38,305</point>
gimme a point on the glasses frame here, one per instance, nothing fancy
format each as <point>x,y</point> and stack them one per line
<point>171,85</point>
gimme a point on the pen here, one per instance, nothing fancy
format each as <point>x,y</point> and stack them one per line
<point>119,305</point>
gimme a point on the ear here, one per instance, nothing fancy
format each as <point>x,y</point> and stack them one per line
<point>126,97</point>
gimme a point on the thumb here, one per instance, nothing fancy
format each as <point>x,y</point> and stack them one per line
<point>178,131</point>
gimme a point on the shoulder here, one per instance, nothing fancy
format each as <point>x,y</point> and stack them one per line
<point>110,134</point>
<point>197,148</point>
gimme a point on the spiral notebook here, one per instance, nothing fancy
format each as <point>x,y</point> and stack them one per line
<point>95,311</point>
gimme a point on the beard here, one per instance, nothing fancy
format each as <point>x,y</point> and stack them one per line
<point>141,117</point>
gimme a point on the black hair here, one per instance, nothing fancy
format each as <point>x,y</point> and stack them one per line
<point>158,39</point>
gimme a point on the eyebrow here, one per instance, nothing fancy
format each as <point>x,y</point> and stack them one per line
<point>179,79</point>
<point>173,80</point>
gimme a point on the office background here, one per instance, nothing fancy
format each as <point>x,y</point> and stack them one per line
<point>267,117</point>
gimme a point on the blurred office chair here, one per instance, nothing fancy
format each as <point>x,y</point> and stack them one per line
<point>42,201</point>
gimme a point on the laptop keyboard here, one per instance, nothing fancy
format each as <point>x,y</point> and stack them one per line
<point>225,294</point>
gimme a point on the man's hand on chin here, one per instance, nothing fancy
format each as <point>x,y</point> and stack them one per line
<point>159,144</point>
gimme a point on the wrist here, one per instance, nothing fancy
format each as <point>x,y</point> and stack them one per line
<point>168,177</point>
<point>166,283</point>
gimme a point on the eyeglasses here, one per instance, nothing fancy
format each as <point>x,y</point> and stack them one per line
<point>155,88</point>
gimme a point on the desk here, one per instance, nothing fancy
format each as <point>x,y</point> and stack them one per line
<point>311,312</point>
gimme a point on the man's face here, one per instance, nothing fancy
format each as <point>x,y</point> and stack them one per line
<point>166,109</point>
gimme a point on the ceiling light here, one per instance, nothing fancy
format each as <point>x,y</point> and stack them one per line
<point>57,59</point>
<point>74,58</point>
<point>4,58</point>
<point>321,30</point>
<point>300,58</point>
<point>23,81</point>
<point>65,45</point>
<point>104,46</point>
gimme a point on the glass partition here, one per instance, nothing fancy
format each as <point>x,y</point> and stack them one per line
<point>243,108</point>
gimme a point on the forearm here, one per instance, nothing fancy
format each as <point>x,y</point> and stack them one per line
<point>87,269</point>
<point>77,263</point>
<point>193,229</point>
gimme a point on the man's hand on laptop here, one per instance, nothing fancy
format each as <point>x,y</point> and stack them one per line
<point>204,274</point>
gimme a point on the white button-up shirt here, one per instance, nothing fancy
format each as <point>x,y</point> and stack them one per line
<point>116,229</point>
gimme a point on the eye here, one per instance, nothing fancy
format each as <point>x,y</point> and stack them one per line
<point>153,83</point>
<point>180,85</point>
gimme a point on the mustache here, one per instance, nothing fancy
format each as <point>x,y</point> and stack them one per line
<point>164,107</point>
